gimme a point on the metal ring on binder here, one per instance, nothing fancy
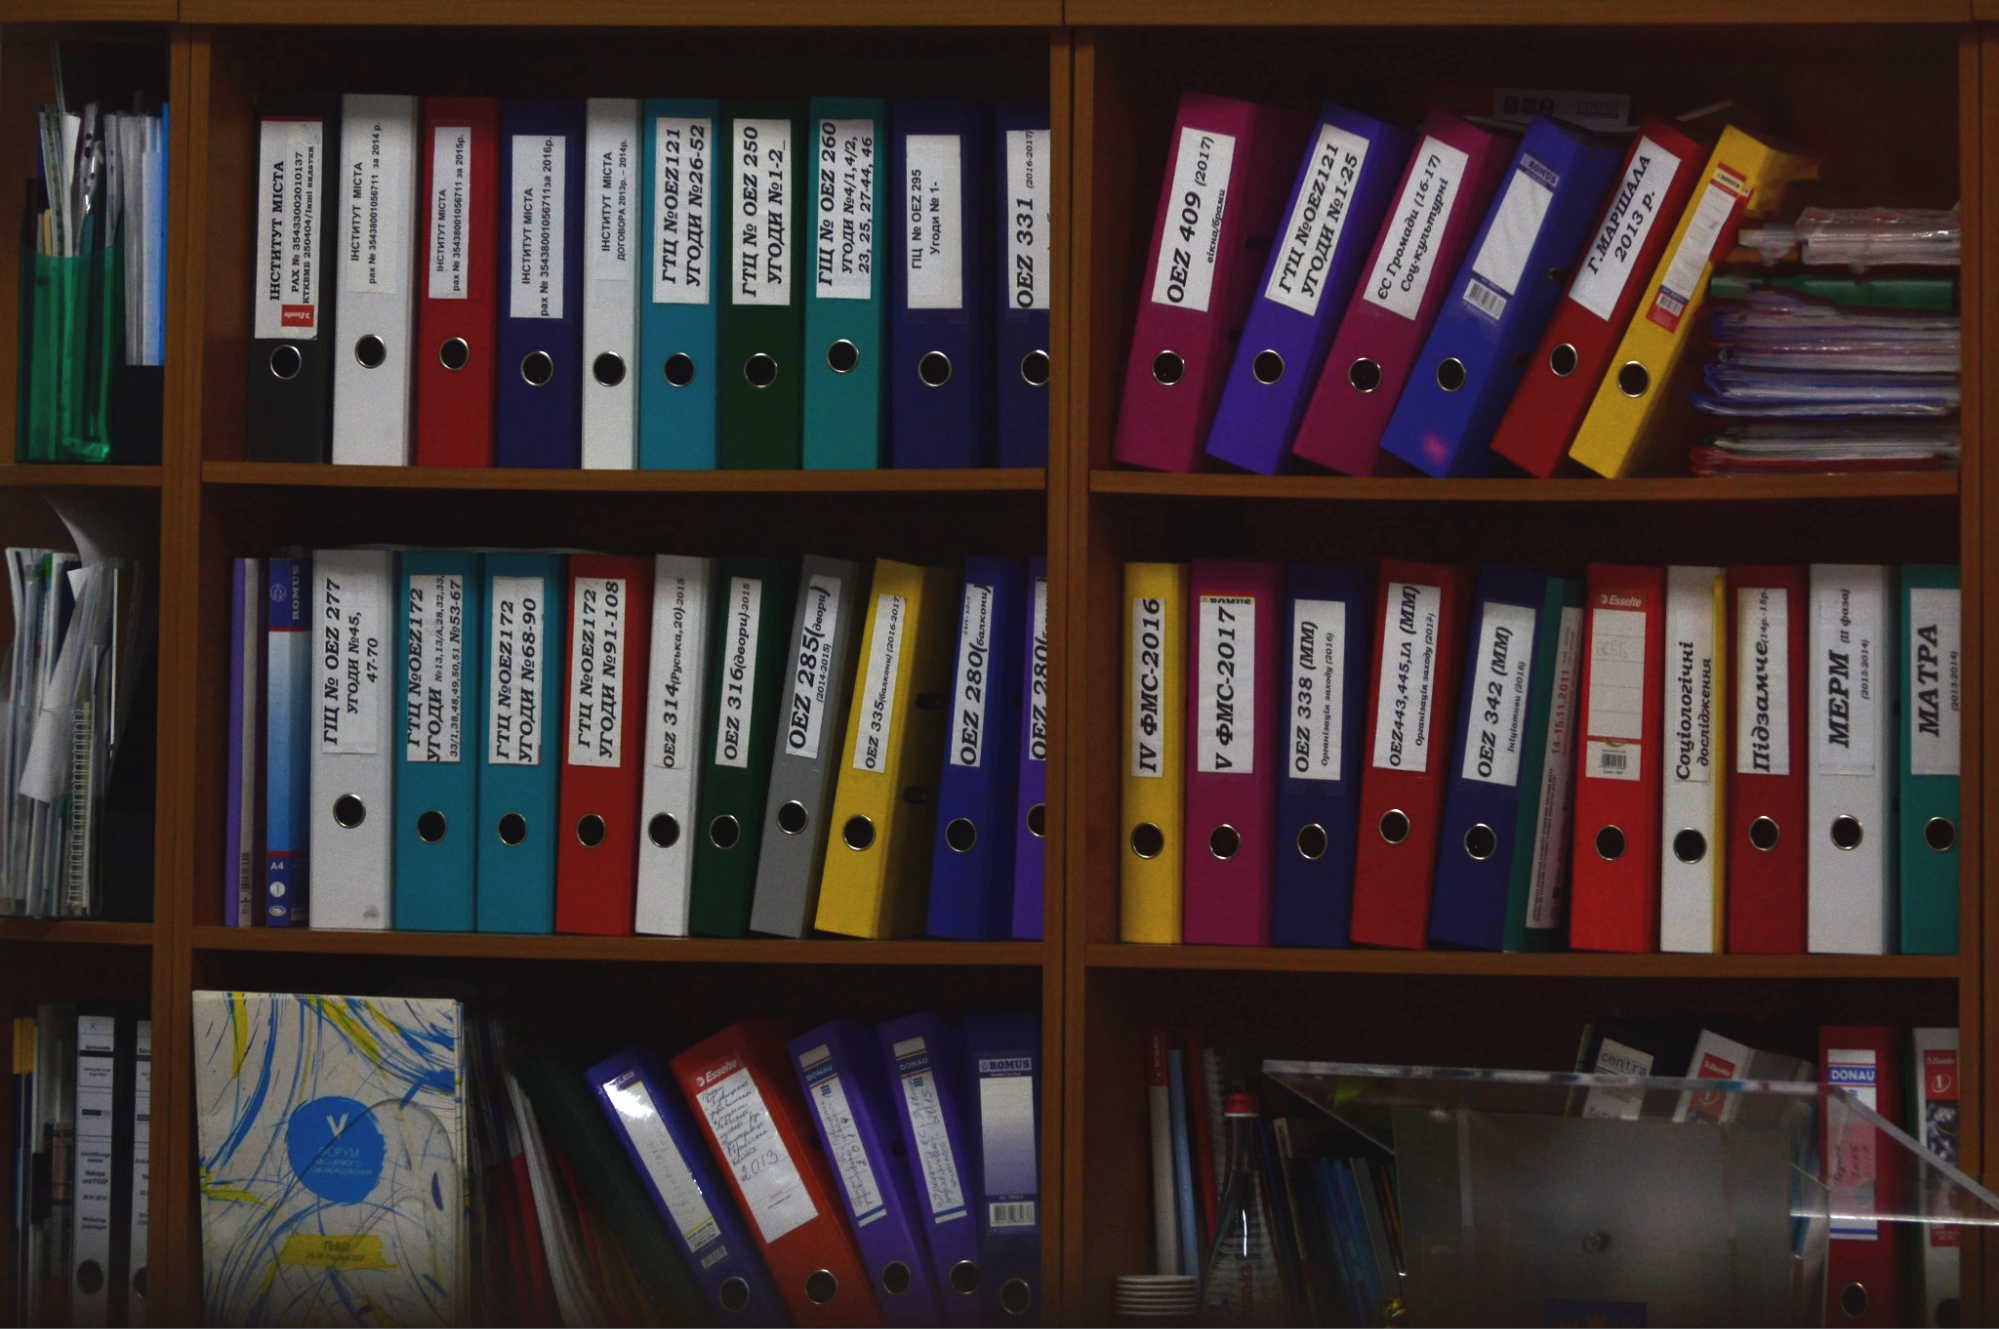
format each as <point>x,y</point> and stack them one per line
<point>965,1278</point>
<point>934,369</point>
<point>1689,846</point>
<point>1034,369</point>
<point>724,832</point>
<point>1268,367</point>
<point>1015,1296</point>
<point>734,1294</point>
<point>1847,832</point>
<point>608,369</point>
<point>1168,368</point>
<point>1450,374</point>
<point>679,369</point>
<point>760,370</point>
<point>1147,840</point>
<point>1037,818</point>
<point>1764,832</point>
<point>1939,833</point>
<point>430,826</point>
<point>895,1279</point>
<point>537,368</point>
<point>843,357</point>
<point>1633,379</point>
<point>1610,843</point>
<point>1394,826</point>
<point>1312,841</point>
<point>370,352</point>
<point>286,362</point>
<point>663,830</point>
<point>1481,842</point>
<point>859,833</point>
<point>1224,842</point>
<point>1562,360</point>
<point>961,835</point>
<point>349,812</point>
<point>792,817</point>
<point>590,830</point>
<point>821,1287</point>
<point>513,829</point>
<point>1364,375</point>
<point>454,354</point>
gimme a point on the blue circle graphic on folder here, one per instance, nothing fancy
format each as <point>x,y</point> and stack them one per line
<point>336,1149</point>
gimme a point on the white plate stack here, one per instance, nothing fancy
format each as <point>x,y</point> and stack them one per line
<point>1158,1300</point>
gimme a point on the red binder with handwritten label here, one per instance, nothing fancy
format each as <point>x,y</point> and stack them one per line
<point>1767,789</point>
<point>456,273</point>
<point>1863,1170</point>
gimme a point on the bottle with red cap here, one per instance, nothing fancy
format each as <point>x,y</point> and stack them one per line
<point>1242,1283</point>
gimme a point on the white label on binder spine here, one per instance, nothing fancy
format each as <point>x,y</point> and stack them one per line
<point>1402,719</point>
<point>288,290</point>
<point>1634,210</point>
<point>1311,234</point>
<point>1690,668</point>
<point>514,682</point>
<point>377,245</point>
<point>685,1204</point>
<point>1509,240</point>
<point>1036,699</point>
<point>1416,228</point>
<point>682,167</point>
<point>1936,680</point>
<point>1696,248</point>
<point>812,672</point>
<point>1617,1101</point>
<point>1847,695</point>
<point>1225,722</point>
<point>1762,681</point>
<point>1191,243</point>
<point>741,621</point>
<point>1498,709</point>
<point>450,212</point>
<point>755,1153</point>
<point>934,1157</point>
<point>535,214</point>
<point>1318,689</point>
<point>614,207</point>
<point>975,667</point>
<point>844,242</point>
<point>597,671</point>
<point>434,677</point>
<point>1551,826</point>
<point>933,220</point>
<point>677,660</point>
<point>762,209</point>
<point>877,697</point>
<point>1616,703</point>
<point>1148,686</point>
<point>354,653</point>
<point>841,1137</point>
<point>1027,218</point>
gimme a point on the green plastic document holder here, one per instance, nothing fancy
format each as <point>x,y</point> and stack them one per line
<point>72,334</point>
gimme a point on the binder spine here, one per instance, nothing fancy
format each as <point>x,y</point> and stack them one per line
<point>1932,671</point>
<point>1538,885</point>
<point>288,404</point>
<point>241,860</point>
<point>925,1055</point>
<point>436,750</point>
<point>456,315</point>
<point>523,654</point>
<point>90,1265</point>
<point>1031,806</point>
<point>539,375</point>
<point>1690,833</point>
<point>612,153</point>
<point>846,305</point>
<point>683,239</point>
<point>1003,1062</point>
<point>288,752</point>
<point>374,286</point>
<point>678,694</point>
<point>353,758</point>
<point>760,379</point>
<point>1850,787</point>
<point>1023,165</point>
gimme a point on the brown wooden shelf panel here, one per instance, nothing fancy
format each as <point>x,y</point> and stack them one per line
<point>1578,965</point>
<point>887,481</point>
<point>629,13</point>
<point>49,475</point>
<point>1369,13</point>
<point>91,932</point>
<point>702,950</point>
<point>1425,489</point>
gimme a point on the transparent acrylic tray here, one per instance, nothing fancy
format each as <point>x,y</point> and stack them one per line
<point>1550,1198</point>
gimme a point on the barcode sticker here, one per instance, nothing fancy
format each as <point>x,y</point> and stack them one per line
<point>1484,299</point>
<point>1696,248</point>
<point>1011,1214</point>
<point>1613,761</point>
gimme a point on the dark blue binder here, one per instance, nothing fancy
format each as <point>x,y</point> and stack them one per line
<point>670,1155</point>
<point>1516,269</point>
<point>539,398</point>
<point>1482,785</point>
<point>940,329</point>
<point>1003,1071</point>
<point>1023,181</point>
<point>971,868</point>
<point>1318,782</point>
<point>926,1054</point>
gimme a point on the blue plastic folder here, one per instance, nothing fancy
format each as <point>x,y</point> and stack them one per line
<point>538,405</point>
<point>940,290</point>
<point>678,306</point>
<point>1482,791</point>
<point>437,732</point>
<point>520,755</point>
<point>839,1068</point>
<point>1329,637</point>
<point>1023,184</point>
<point>288,729</point>
<point>670,1155</point>
<point>846,301</point>
<point>925,1057</point>
<point>1505,292</point>
<point>971,868</point>
<point>1003,1068</point>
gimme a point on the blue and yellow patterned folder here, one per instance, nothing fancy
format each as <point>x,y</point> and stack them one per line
<point>332,1152</point>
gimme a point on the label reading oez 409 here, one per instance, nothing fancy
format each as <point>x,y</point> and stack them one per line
<point>1191,243</point>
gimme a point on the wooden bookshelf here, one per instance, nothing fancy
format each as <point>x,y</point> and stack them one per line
<point>1113,70</point>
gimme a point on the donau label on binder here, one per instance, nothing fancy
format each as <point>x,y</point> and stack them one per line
<point>1551,831</point>
<point>434,680</point>
<point>1763,682</point>
<point>377,242</point>
<point>1402,713</point>
<point>975,648</point>
<point>1148,683</point>
<point>739,672</point>
<point>520,625</point>
<point>1312,232</point>
<point>1844,736</point>
<point>935,220</point>
<point>1037,684</point>
<point>1415,228</point>
<point>812,674</point>
<point>1497,267</point>
<point>1192,243</point>
<point>1690,699</point>
<point>878,692</point>
<point>450,211</point>
<point>763,213</point>
<point>1226,719</point>
<point>1935,664</point>
<point>926,1124</point>
<point>1499,708</point>
<point>845,231</point>
<point>755,1153</point>
<point>1634,211</point>
<point>354,642</point>
<point>1724,196</point>
<point>613,211</point>
<point>664,1165</point>
<point>1318,687</point>
<point>1616,719</point>
<point>288,299</point>
<point>673,636</point>
<point>682,177</point>
<point>844,1145</point>
<point>596,672</point>
<point>1027,217</point>
<point>540,172</point>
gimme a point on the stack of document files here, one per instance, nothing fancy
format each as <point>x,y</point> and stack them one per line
<point>1774,446</point>
<point>1863,238</point>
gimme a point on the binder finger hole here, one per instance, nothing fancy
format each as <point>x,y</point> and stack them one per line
<point>1763,833</point>
<point>1633,379</point>
<point>1034,369</point>
<point>1015,1296</point>
<point>1168,368</point>
<point>1147,840</point>
<point>761,372</point>
<point>859,833</point>
<point>1312,841</point>
<point>1689,846</point>
<point>513,829</point>
<point>1364,375</point>
<point>965,1278</point>
<point>1224,841</point>
<point>1939,833</point>
<point>286,362</point>
<point>1268,367</point>
<point>679,369</point>
<point>1481,842</point>
<point>1610,843</point>
<point>90,1277</point>
<point>430,826</point>
<point>1853,1300</point>
<point>663,830</point>
<point>590,830</point>
<point>369,352</point>
<point>454,354</point>
<point>1394,826</point>
<point>735,1293</point>
<point>1562,361</point>
<point>724,832</point>
<point>821,1287</point>
<point>1846,832</point>
<point>792,817</point>
<point>349,812</point>
<point>895,1279</point>
<point>934,369</point>
<point>1450,374</point>
<point>843,357</point>
<point>961,835</point>
<point>537,368</point>
<point>1037,821</point>
<point>608,369</point>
